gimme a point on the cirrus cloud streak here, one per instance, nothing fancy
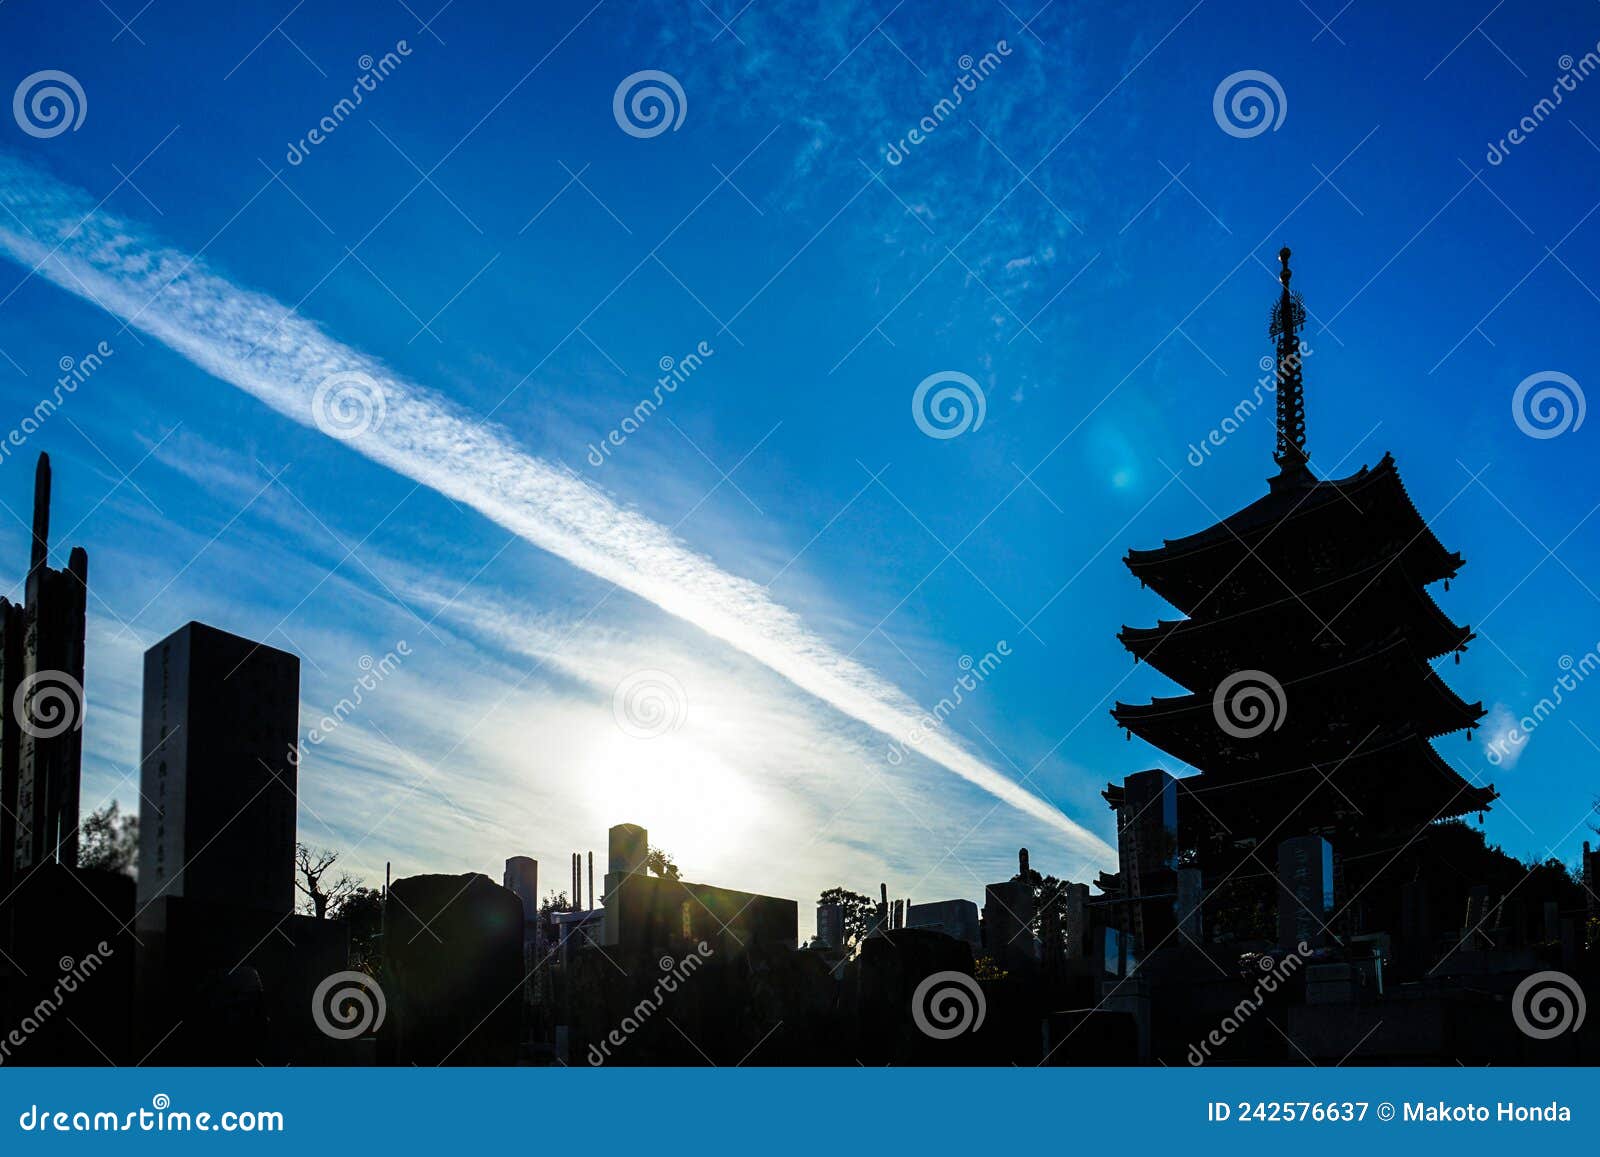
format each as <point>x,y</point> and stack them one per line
<point>262,347</point>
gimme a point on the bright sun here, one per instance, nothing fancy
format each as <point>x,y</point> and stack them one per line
<point>694,805</point>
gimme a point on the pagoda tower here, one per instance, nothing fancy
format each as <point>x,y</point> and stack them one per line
<point>1308,646</point>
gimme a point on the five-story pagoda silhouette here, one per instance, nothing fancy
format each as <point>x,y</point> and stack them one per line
<point>1309,646</point>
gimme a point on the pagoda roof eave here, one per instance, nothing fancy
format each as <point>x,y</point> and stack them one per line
<point>1464,797</point>
<point>1290,505</point>
<point>1445,634</point>
<point>1192,717</point>
<point>1187,723</point>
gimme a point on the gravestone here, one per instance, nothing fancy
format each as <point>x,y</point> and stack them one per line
<point>453,961</point>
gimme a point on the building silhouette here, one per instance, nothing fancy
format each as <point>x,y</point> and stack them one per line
<point>41,680</point>
<point>645,912</point>
<point>52,913</point>
<point>218,770</point>
<point>226,971</point>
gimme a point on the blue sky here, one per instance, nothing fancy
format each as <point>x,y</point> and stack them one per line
<point>779,545</point>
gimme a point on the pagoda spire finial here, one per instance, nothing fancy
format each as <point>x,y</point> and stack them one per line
<point>1288,315</point>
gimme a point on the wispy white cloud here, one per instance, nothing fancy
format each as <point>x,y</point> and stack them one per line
<point>497,738</point>
<point>262,347</point>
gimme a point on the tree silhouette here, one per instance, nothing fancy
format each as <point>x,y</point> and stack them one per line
<point>109,841</point>
<point>362,909</point>
<point>548,907</point>
<point>324,894</point>
<point>659,861</point>
<point>1049,921</point>
<point>860,914</point>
